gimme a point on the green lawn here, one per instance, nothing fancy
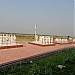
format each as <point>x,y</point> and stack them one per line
<point>45,66</point>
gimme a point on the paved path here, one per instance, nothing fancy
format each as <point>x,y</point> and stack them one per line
<point>7,55</point>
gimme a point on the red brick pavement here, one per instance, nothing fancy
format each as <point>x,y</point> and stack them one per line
<point>7,55</point>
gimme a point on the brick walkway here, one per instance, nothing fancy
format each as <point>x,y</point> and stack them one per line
<point>7,55</point>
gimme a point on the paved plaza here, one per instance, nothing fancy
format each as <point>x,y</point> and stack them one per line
<point>7,55</point>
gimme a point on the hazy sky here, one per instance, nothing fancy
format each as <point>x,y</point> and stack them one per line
<point>53,17</point>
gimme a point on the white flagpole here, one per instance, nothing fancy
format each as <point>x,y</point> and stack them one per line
<point>35,32</point>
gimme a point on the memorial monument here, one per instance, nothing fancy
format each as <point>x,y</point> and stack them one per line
<point>8,40</point>
<point>63,40</point>
<point>43,41</point>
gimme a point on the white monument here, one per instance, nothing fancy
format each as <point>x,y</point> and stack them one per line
<point>61,40</point>
<point>44,40</point>
<point>7,40</point>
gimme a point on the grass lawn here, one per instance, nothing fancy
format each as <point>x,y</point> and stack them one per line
<point>45,66</point>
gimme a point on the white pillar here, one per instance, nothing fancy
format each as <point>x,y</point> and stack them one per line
<point>35,33</point>
<point>49,40</point>
<point>43,40</point>
<point>14,39</point>
<point>46,40</point>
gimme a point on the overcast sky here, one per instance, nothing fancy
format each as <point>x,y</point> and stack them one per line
<point>53,17</point>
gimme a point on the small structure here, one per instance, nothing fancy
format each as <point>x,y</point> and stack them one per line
<point>43,41</point>
<point>8,41</point>
<point>61,40</point>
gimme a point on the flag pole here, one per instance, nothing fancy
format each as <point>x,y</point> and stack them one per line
<point>35,33</point>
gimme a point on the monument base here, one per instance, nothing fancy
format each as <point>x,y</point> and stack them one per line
<point>11,46</point>
<point>64,43</point>
<point>42,45</point>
